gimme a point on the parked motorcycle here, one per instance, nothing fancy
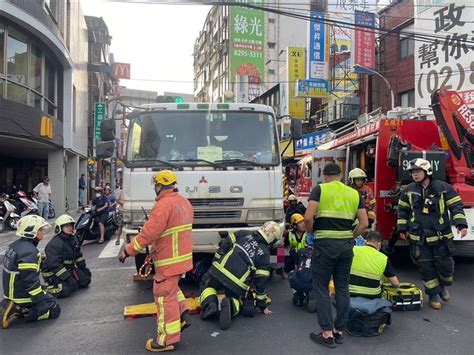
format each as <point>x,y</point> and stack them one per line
<point>8,215</point>
<point>87,226</point>
<point>23,204</point>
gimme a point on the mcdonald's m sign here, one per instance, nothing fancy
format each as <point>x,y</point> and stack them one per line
<point>121,70</point>
<point>46,127</point>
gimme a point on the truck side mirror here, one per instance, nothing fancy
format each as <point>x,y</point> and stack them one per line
<point>296,129</point>
<point>107,130</point>
<point>105,150</point>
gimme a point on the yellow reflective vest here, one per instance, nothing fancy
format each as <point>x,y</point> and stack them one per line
<point>368,267</point>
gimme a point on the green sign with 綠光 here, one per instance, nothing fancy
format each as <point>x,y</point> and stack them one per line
<point>247,43</point>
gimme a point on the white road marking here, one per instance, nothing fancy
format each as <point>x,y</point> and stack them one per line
<point>111,250</point>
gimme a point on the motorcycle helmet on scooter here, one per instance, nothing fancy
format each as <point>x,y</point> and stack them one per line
<point>29,226</point>
<point>62,221</point>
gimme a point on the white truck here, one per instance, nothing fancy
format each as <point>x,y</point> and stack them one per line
<point>226,158</point>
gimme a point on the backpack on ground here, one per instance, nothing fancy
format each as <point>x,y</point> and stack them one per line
<point>362,324</point>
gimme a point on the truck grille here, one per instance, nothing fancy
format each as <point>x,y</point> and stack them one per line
<point>217,202</point>
<point>217,214</point>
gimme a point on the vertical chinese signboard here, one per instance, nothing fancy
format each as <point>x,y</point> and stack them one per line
<point>363,51</point>
<point>247,39</point>
<point>317,63</point>
<point>99,114</point>
<point>446,58</point>
<point>296,71</point>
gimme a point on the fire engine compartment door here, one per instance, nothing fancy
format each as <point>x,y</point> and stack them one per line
<point>323,157</point>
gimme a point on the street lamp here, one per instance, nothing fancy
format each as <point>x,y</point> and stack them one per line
<point>358,69</point>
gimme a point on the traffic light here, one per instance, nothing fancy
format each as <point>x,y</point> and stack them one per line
<point>107,130</point>
<point>169,99</point>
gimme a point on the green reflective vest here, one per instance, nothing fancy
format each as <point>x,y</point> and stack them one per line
<point>337,210</point>
<point>367,271</point>
<point>294,243</point>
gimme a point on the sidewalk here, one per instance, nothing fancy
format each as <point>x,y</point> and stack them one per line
<point>9,236</point>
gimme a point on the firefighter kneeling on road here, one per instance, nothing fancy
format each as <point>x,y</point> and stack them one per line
<point>64,268</point>
<point>169,230</point>
<point>423,218</point>
<point>24,296</point>
<point>243,260</point>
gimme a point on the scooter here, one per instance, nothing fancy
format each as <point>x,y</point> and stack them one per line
<point>87,227</point>
<point>23,204</point>
<point>8,216</point>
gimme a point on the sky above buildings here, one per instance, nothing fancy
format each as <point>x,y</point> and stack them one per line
<point>158,41</point>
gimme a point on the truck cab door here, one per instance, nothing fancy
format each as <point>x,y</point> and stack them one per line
<point>323,157</point>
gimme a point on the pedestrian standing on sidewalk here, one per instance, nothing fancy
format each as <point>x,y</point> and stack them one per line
<point>42,192</point>
<point>82,190</point>
<point>332,208</point>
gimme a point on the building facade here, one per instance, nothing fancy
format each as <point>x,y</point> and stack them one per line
<point>395,60</point>
<point>212,52</point>
<point>43,96</point>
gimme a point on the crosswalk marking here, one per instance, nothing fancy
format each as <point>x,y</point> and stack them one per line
<point>111,250</point>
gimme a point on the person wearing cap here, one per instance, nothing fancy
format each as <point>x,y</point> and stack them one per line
<point>169,230</point>
<point>293,207</point>
<point>242,261</point>
<point>42,192</point>
<point>23,295</point>
<point>64,268</point>
<point>425,211</point>
<point>332,208</point>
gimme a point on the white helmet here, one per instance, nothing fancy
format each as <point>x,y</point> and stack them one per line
<point>422,164</point>
<point>62,221</point>
<point>28,226</point>
<point>356,174</point>
<point>271,232</point>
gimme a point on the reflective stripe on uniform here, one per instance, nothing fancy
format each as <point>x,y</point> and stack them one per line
<point>68,262</point>
<point>36,291</point>
<point>441,209</point>
<point>18,300</point>
<point>262,272</point>
<point>402,221</point>
<point>459,216</point>
<point>171,261</point>
<point>403,203</point>
<point>453,200</point>
<point>232,237</point>
<point>239,282</point>
<point>161,321</point>
<point>181,296</point>
<point>61,271</point>
<point>362,290</point>
<point>47,274</point>
<point>320,234</point>
<point>174,233</point>
<point>209,291</point>
<point>431,283</point>
<point>28,266</point>
<point>368,275</point>
<point>11,286</point>
<point>236,307</point>
<point>138,248</point>
<point>44,316</point>
<point>78,260</point>
<point>263,296</point>
<point>173,327</point>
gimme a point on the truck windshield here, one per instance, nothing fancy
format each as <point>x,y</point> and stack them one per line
<point>202,138</point>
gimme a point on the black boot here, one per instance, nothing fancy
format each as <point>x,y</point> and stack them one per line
<point>225,317</point>
<point>209,310</point>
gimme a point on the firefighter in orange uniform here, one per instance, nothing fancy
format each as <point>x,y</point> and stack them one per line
<point>357,178</point>
<point>168,229</point>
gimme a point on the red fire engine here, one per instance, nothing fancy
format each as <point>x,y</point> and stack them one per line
<point>384,147</point>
